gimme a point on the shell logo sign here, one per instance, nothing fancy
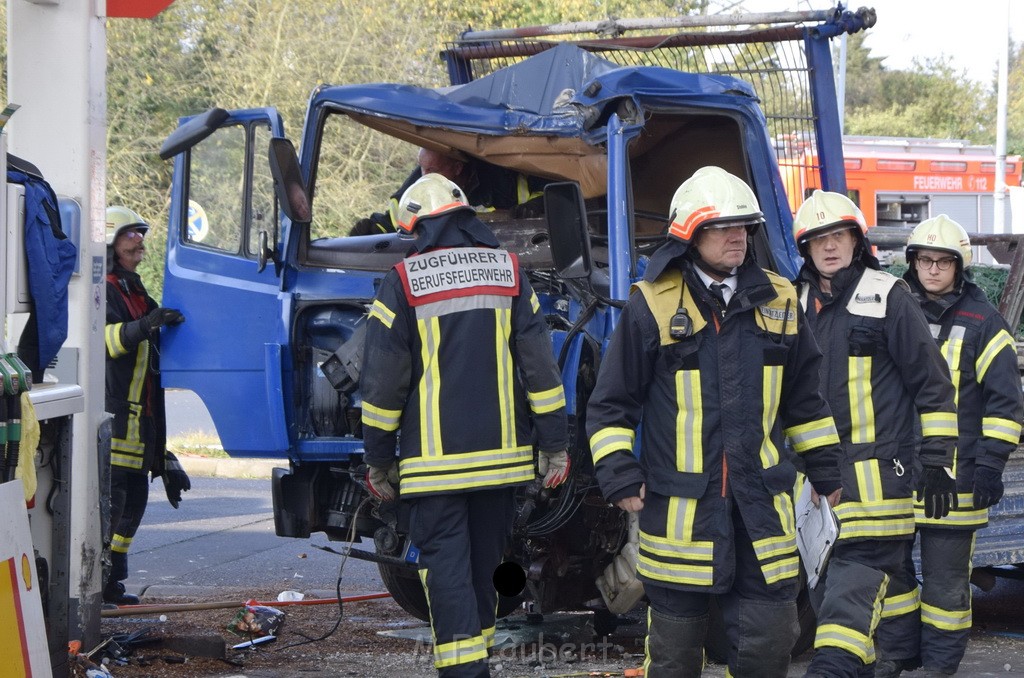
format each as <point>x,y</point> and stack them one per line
<point>22,629</point>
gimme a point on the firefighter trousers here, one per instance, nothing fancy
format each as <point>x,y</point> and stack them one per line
<point>937,638</point>
<point>129,494</point>
<point>760,622</point>
<point>462,539</point>
<point>848,602</point>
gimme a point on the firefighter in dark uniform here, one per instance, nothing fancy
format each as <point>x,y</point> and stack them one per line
<point>459,358</point>
<point>720,380</point>
<point>882,373</point>
<point>982,357</point>
<point>133,395</point>
<point>487,188</point>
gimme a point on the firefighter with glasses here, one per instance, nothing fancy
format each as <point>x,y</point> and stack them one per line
<point>713,354</point>
<point>979,348</point>
<point>883,376</point>
<point>458,358</point>
<point>134,395</point>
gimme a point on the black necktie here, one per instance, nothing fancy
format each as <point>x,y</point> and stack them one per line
<point>716,292</point>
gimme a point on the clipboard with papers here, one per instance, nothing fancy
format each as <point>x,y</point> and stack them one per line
<point>817,529</point>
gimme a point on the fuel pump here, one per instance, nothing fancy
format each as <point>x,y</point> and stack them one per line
<point>16,379</point>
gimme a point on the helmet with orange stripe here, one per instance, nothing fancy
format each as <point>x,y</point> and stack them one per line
<point>712,198</point>
<point>430,196</point>
<point>824,212</point>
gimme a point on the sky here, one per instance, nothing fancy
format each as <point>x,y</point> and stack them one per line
<point>925,28</point>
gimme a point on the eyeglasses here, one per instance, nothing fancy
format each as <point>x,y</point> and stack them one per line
<point>133,235</point>
<point>831,236</point>
<point>925,263</point>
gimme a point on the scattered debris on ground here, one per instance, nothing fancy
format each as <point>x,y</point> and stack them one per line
<point>270,640</point>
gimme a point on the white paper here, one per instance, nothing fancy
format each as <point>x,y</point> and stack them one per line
<point>817,529</point>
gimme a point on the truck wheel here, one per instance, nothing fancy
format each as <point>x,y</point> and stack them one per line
<point>404,586</point>
<point>605,622</point>
<point>717,645</point>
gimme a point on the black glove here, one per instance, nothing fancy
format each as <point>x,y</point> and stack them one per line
<point>175,479</point>
<point>375,224</point>
<point>363,227</point>
<point>937,489</point>
<point>988,487</point>
<point>159,317</point>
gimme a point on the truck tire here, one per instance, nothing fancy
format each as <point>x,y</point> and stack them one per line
<point>717,646</point>
<point>404,585</point>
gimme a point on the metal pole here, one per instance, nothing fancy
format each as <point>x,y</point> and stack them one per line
<point>999,225</point>
<point>616,27</point>
<point>841,84</point>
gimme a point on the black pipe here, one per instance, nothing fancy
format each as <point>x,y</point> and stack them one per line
<point>3,439</point>
<point>13,434</point>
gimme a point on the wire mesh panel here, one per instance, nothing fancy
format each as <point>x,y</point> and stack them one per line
<point>772,60</point>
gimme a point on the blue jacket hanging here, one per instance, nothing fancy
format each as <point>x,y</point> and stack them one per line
<point>51,259</point>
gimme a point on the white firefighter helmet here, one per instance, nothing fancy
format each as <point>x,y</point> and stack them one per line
<point>943,234</point>
<point>119,219</point>
<point>712,198</point>
<point>822,211</point>
<point>431,195</point>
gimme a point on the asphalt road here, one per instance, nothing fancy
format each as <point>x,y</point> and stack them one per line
<point>186,413</point>
<point>222,537</point>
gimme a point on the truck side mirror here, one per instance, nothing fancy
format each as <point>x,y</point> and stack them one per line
<point>567,229</point>
<point>288,184</point>
<point>192,132</point>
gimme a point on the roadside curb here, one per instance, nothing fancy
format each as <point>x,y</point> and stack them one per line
<point>240,467</point>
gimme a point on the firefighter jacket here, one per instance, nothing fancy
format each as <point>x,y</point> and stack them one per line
<point>882,376</point>
<point>133,392</point>
<point>459,358</point>
<point>982,357</point>
<point>717,406</point>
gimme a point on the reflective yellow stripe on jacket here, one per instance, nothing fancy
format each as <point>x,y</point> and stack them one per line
<point>873,516</point>
<point>129,451</point>
<point>441,473</point>
<point>998,343</point>
<point>964,516</point>
<point>609,440</point>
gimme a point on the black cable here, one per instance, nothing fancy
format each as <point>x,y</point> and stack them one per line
<point>13,435</point>
<point>337,586</point>
<point>3,436</point>
<point>581,320</point>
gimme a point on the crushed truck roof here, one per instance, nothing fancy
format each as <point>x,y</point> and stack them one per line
<point>545,115</point>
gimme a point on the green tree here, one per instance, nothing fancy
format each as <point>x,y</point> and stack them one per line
<point>932,99</point>
<point>1015,100</point>
<point>863,72</point>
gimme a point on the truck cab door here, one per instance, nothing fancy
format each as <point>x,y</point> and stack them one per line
<point>223,226</point>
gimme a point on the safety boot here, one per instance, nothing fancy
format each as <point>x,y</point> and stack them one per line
<point>675,645</point>
<point>115,594</point>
